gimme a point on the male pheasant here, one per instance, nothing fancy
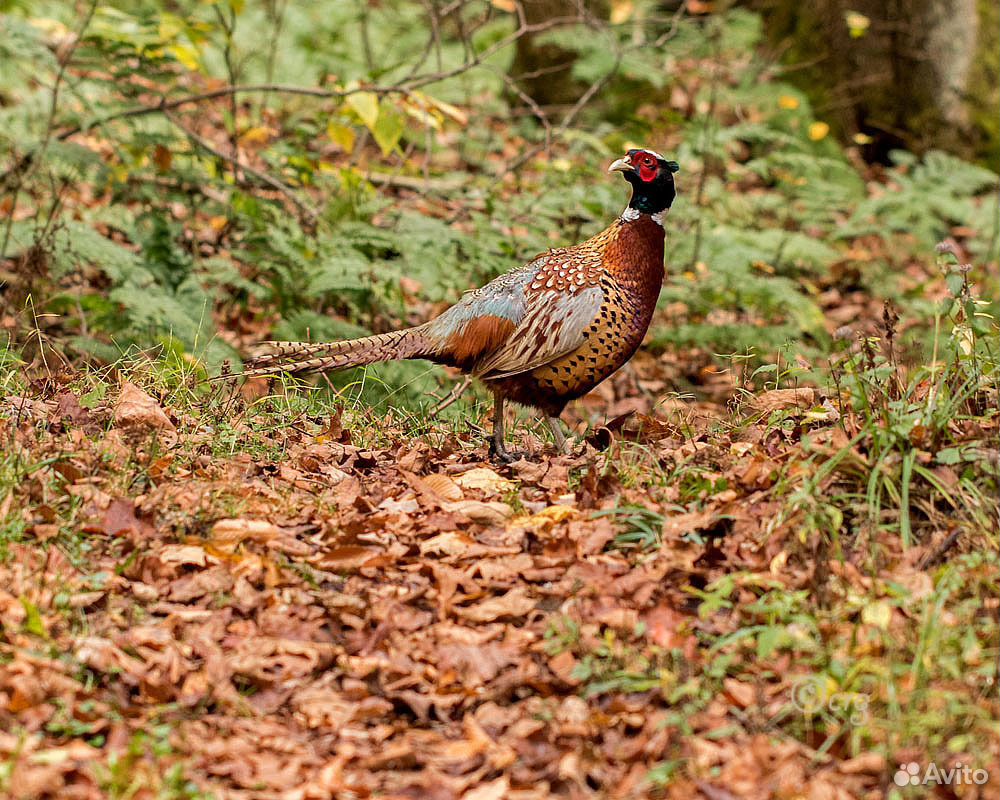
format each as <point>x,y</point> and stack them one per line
<point>545,333</point>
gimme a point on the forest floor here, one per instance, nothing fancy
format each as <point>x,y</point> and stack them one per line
<point>271,598</point>
<point>751,579</point>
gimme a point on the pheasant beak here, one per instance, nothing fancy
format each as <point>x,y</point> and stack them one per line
<point>621,165</point>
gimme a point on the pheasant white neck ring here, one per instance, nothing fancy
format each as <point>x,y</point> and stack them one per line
<point>631,214</point>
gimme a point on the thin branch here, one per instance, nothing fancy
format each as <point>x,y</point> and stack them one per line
<point>560,131</point>
<point>406,87</point>
<point>311,212</point>
<point>452,396</point>
<point>22,167</point>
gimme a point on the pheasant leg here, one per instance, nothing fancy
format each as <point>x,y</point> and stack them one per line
<point>497,449</point>
<point>557,434</point>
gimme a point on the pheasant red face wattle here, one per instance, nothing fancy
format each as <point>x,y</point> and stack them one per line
<point>646,164</point>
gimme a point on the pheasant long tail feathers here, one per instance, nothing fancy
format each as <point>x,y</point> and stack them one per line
<point>326,356</point>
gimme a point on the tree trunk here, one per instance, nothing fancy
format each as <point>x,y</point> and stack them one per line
<point>544,71</point>
<point>919,74</point>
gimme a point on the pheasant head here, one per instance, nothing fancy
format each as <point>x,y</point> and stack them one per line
<point>652,179</point>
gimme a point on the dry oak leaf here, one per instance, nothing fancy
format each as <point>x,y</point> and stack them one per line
<point>346,557</point>
<point>784,398</point>
<point>485,480</point>
<point>546,518</point>
<point>742,694</point>
<point>135,408</point>
<point>516,603</point>
<point>441,486</point>
<point>870,763</point>
<point>492,513</point>
<point>228,534</point>
<point>189,554</point>
<point>494,790</point>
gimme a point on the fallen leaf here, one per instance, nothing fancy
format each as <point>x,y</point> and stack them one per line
<point>485,513</point>
<point>778,399</point>
<point>184,554</point>
<point>494,790</point>
<point>228,534</point>
<point>443,486</point>
<point>347,557</point>
<point>516,603</point>
<point>135,408</point>
<point>485,480</point>
<point>742,694</point>
<point>546,518</point>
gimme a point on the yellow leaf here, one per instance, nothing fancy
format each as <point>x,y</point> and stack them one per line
<point>52,27</point>
<point>440,105</point>
<point>878,614</point>
<point>787,102</point>
<point>621,10</point>
<point>818,131</point>
<point>857,23</point>
<point>486,480</point>
<point>170,27</point>
<point>504,5</point>
<point>862,138</point>
<point>186,55</point>
<point>423,116</point>
<point>257,135</point>
<point>341,135</point>
<point>365,105</point>
<point>546,518</point>
<point>966,340</point>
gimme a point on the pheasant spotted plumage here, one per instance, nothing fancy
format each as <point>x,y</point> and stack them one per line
<point>545,333</point>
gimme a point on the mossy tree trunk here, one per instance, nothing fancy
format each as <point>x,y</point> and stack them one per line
<point>544,70</point>
<point>911,73</point>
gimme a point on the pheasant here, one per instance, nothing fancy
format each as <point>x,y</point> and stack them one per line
<point>543,334</point>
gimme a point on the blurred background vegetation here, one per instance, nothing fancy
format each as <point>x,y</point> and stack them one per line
<point>193,177</point>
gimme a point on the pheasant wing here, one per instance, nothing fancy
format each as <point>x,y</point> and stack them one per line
<point>554,324</point>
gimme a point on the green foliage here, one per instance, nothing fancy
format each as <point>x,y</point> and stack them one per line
<point>931,196</point>
<point>768,202</point>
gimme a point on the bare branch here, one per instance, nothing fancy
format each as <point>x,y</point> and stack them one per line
<point>311,212</point>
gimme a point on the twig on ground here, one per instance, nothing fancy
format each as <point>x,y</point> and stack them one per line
<point>938,552</point>
<point>452,396</point>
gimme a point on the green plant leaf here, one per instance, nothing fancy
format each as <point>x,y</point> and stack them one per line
<point>388,129</point>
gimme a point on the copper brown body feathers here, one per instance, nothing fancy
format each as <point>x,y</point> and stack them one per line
<point>625,262</point>
<point>545,333</point>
